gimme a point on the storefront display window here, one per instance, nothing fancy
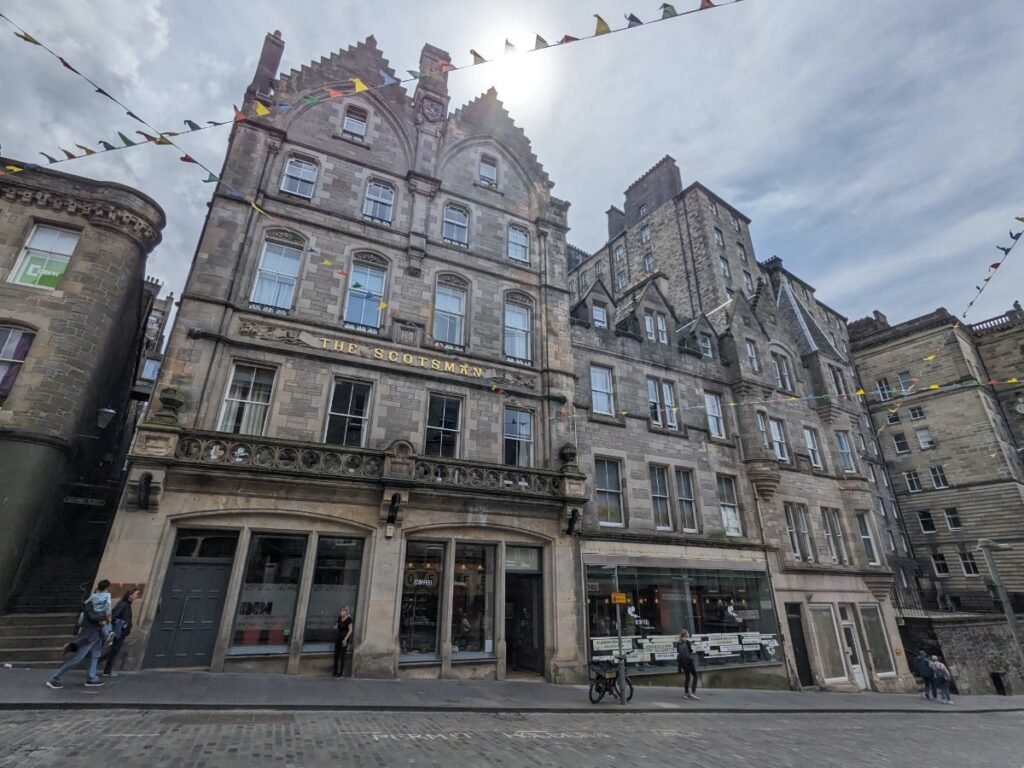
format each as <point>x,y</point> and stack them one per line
<point>473,602</point>
<point>270,589</point>
<point>730,616</point>
<point>878,643</point>
<point>335,585</point>
<point>826,634</point>
<point>421,600</point>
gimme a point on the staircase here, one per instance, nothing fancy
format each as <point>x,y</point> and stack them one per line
<point>35,639</point>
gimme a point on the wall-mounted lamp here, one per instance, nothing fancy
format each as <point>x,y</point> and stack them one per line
<point>393,507</point>
<point>104,416</point>
<point>574,520</point>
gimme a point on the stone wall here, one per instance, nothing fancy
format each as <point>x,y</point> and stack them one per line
<point>973,649</point>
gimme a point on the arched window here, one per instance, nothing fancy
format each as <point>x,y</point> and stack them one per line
<point>354,124</point>
<point>299,177</point>
<point>488,171</point>
<point>450,311</point>
<point>367,281</point>
<point>518,317</point>
<point>455,228</point>
<point>274,288</point>
<point>380,201</point>
<point>14,346</point>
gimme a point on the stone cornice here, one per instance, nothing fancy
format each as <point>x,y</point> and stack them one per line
<point>101,211</point>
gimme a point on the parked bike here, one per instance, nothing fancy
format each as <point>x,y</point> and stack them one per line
<point>605,679</point>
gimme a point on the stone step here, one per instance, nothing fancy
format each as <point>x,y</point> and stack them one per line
<point>48,654</point>
<point>53,618</point>
<point>34,631</point>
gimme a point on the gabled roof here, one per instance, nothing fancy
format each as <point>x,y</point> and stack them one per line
<point>740,301</point>
<point>599,283</point>
<point>362,60</point>
<point>810,338</point>
<point>639,293</point>
<point>488,115</point>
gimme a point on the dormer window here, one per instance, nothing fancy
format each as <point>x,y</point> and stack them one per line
<point>600,315</point>
<point>707,349</point>
<point>488,171</point>
<point>354,124</point>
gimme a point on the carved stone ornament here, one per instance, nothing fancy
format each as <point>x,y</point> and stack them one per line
<point>514,379</point>
<point>171,401</point>
<point>98,213</point>
<point>432,109</point>
<point>258,329</point>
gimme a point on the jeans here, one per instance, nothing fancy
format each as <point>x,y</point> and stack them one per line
<point>943,686</point>
<point>340,650</point>
<point>115,649</point>
<point>92,650</point>
<point>689,676</point>
<point>929,687</point>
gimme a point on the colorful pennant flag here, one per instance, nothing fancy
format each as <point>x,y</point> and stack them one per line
<point>258,209</point>
<point>68,66</point>
<point>210,179</point>
<point>388,79</point>
<point>633,20</point>
<point>239,114</point>
<point>667,11</point>
<point>509,48</point>
<point>602,26</point>
<point>107,146</point>
<point>50,159</point>
<point>477,58</point>
<point>101,92</point>
<point>187,159</point>
<point>1004,249</point>
<point>415,74</point>
<point>567,39</point>
<point>307,99</point>
<point>705,4</point>
<point>334,93</point>
<point>261,110</point>
<point>359,84</point>
<point>127,142</point>
<point>382,305</point>
<point>994,266</point>
<point>192,125</point>
<point>27,38</point>
<point>447,66</point>
<point>133,116</point>
<point>326,263</point>
<point>69,155</point>
<point>539,43</point>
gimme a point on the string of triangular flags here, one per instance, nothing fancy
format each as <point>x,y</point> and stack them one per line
<point>262,109</point>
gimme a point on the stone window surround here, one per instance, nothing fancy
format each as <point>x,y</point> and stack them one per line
<point>459,283</point>
<point>285,175</point>
<point>367,418</point>
<point>23,253</point>
<point>383,182</point>
<point>229,375</point>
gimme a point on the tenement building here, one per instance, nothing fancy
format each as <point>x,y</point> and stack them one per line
<point>732,466</point>
<point>360,395</point>
<point>948,403</point>
<point>73,304</point>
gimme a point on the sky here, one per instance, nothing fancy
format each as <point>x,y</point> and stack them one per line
<point>875,145</point>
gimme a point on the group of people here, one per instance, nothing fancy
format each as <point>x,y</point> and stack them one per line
<point>102,626</point>
<point>935,675</point>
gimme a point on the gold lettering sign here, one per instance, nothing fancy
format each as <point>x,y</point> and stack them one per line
<point>405,358</point>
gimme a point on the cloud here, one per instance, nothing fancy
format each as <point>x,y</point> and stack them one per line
<point>876,146</point>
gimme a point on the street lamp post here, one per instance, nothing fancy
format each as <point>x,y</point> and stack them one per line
<point>986,546</point>
<point>622,657</point>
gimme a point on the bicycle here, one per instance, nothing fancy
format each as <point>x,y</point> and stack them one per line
<point>606,680</point>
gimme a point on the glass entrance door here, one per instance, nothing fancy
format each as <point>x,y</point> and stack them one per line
<point>853,652</point>
<point>524,623</point>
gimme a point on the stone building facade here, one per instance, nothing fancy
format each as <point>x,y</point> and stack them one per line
<point>732,466</point>
<point>359,396</point>
<point>949,408</point>
<point>72,309</point>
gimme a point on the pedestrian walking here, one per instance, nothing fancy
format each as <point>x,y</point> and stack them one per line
<point>942,679</point>
<point>88,642</point>
<point>100,603</point>
<point>923,669</point>
<point>121,621</point>
<point>341,641</point>
<point>687,667</point>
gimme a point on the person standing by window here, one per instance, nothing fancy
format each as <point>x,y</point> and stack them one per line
<point>687,667</point>
<point>341,641</point>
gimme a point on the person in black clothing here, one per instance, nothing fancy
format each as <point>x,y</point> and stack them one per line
<point>341,641</point>
<point>685,662</point>
<point>121,624</point>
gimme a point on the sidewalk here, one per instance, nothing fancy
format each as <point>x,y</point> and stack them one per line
<point>24,689</point>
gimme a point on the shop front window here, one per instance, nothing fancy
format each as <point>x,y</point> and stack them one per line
<point>270,590</point>
<point>421,601</point>
<point>473,602</point>
<point>823,619</point>
<point>730,616</point>
<point>335,586</point>
<point>878,643</point>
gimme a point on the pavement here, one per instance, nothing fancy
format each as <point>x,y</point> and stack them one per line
<point>24,689</point>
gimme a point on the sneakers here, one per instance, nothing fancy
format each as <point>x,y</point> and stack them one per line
<point>693,696</point>
<point>94,683</point>
<point>110,674</point>
<point>55,684</point>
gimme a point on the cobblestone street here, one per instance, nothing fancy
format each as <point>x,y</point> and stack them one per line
<point>239,738</point>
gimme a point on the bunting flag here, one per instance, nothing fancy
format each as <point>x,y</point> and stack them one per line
<point>68,66</point>
<point>705,4</point>
<point>258,209</point>
<point>133,116</point>
<point>414,74</point>
<point>1015,237</point>
<point>309,100</point>
<point>539,43</point>
<point>187,159</point>
<point>51,159</point>
<point>1004,249</point>
<point>107,146</point>
<point>210,179</point>
<point>633,21</point>
<point>70,155</point>
<point>101,92</point>
<point>382,305</point>
<point>509,48</point>
<point>447,66</point>
<point>326,263</point>
<point>334,93</point>
<point>86,149</point>
<point>191,125</point>
<point>388,79</point>
<point>568,39</point>
<point>27,38</point>
<point>261,110</point>
<point>667,11</point>
<point>359,84</point>
<point>602,26</point>
<point>477,58</point>
<point>239,114</point>
<point>127,142</point>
